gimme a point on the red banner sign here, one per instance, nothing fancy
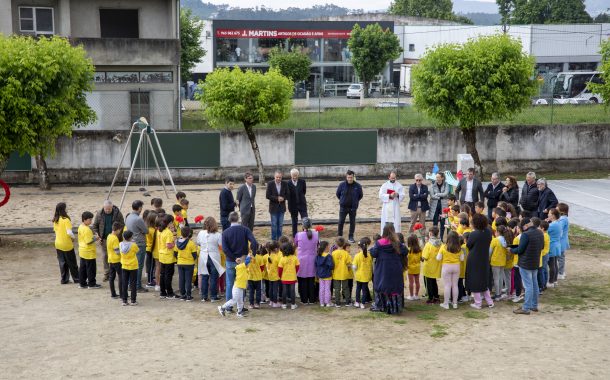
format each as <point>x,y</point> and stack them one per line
<point>281,33</point>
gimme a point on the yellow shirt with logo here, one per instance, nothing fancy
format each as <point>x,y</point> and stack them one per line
<point>289,267</point>
<point>463,229</point>
<point>498,253</point>
<point>185,256</point>
<point>63,241</point>
<point>86,244</point>
<point>449,257</point>
<point>431,267</point>
<point>341,259</point>
<point>364,267</point>
<point>112,247</point>
<point>414,262</point>
<point>166,255</point>
<point>241,276</point>
<point>129,261</point>
<point>255,273</point>
<point>272,266</point>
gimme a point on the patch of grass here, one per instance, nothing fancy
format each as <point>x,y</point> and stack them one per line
<point>371,315</point>
<point>439,331</point>
<point>473,314</point>
<point>586,240</point>
<point>324,310</point>
<point>427,316</point>
<point>420,307</point>
<point>586,293</point>
<point>251,330</point>
<point>400,321</point>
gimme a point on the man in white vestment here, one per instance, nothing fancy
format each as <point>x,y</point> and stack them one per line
<point>391,194</point>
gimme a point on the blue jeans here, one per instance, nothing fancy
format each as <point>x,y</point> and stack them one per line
<point>437,218</point>
<point>141,255</point>
<point>530,279</point>
<point>185,279</point>
<point>229,278</point>
<point>224,222</point>
<point>543,272</point>
<point>277,220</point>
<point>209,282</point>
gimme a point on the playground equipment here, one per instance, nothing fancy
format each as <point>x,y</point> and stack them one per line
<point>7,193</point>
<point>144,146</point>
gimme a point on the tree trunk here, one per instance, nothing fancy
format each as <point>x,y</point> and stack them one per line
<point>257,153</point>
<point>3,163</point>
<point>470,137</point>
<point>365,90</point>
<point>43,173</point>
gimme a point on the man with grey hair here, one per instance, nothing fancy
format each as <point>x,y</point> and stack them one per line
<point>418,202</point>
<point>493,192</point>
<point>277,193</point>
<point>102,227</point>
<point>546,199</point>
<point>529,195</point>
<point>297,203</point>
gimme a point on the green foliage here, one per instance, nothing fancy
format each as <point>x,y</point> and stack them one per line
<point>543,11</point>
<point>602,18</point>
<point>42,93</point>
<point>471,84</point>
<point>293,65</point>
<point>603,88</point>
<point>247,97</point>
<point>372,48</point>
<point>438,9</point>
<point>191,51</point>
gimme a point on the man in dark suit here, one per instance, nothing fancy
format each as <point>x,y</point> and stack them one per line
<point>245,201</point>
<point>277,193</point>
<point>492,193</point>
<point>297,204</point>
<point>227,202</point>
<point>418,202</point>
<point>469,190</point>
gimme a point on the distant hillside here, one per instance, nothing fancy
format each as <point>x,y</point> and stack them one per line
<point>479,18</point>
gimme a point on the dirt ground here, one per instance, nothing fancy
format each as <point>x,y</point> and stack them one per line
<point>59,331</point>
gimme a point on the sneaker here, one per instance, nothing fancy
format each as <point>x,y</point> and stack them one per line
<point>356,304</point>
<point>203,300</point>
<point>465,299</point>
<point>561,276</point>
<point>351,241</point>
<point>455,305</point>
<point>409,298</point>
<point>125,303</point>
<point>263,301</point>
<point>292,307</point>
<point>475,306</point>
<point>96,286</point>
<point>521,311</point>
<point>215,300</point>
<point>430,302</point>
<point>445,306</point>
<point>183,298</point>
<point>362,306</point>
<point>82,287</point>
<point>329,305</point>
<point>322,305</point>
<point>116,296</point>
<point>157,288</point>
<point>142,290</point>
<point>175,297</point>
<point>549,285</point>
<point>240,314</point>
<point>495,298</point>
<point>221,310</point>
<point>162,297</point>
<point>535,309</point>
<point>150,286</point>
<point>503,297</point>
<point>256,306</point>
<point>284,306</point>
<point>244,309</point>
<point>189,299</point>
<point>518,298</point>
<point>134,304</point>
<point>491,306</point>
<point>415,298</point>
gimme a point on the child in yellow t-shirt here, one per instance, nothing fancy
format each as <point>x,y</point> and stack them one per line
<point>64,244</point>
<point>450,255</point>
<point>152,248</point>
<point>114,258</point>
<point>272,260</point>
<point>187,257</point>
<point>288,267</point>
<point>255,277</point>
<point>454,220</point>
<point>87,253</point>
<point>363,268</point>
<point>262,250</point>
<point>497,260</point>
<point>129,265</point>
<point>341,260</point>
<point>463,297</point>
<point>239,288</point>
<point>413,266</point>
<point>184,203</point>
<point>464,226</point>
<point>431,268</point>
<point>167,244</point>
<point>543,272</point>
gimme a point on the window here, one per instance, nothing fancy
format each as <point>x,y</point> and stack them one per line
<point>582,66</point>
<point>411,47</point>
<point>140,105</point>
<point>119,23</point>
<point>37,20</point>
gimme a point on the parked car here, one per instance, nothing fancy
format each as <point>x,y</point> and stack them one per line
<point>391,104</point>
<point>355,90</point>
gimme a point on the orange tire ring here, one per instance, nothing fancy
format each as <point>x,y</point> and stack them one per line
<point>7,193</point>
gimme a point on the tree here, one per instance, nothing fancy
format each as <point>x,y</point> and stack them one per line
<point>602,18</point>
<point>293,65</point>
<point>372,48</point>
<point>471,84</point>
<point>247,97</point>
<point>603,88</point>
<point>42,96</point>
<point>191,51</point>
<point>543,11</point>
<point>438,9</point>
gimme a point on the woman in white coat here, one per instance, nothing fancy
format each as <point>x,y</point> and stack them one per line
<point>209,266</point>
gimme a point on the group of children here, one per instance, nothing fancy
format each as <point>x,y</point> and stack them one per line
<point>269,275</point>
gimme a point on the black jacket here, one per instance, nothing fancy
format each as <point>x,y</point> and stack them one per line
<point>227,202</point>
<point>493,195</point>
<point>546,201</point>
<point>272,194</point>
<point>296,196</point>
<point>531,243</point>
<point>511,196</point>
<point>529,198</point>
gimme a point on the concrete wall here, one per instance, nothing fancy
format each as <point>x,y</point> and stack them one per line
<point>92,156</point>
<point>6,18</point>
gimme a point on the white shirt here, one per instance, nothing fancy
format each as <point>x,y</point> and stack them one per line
<point>249,187</point>
<point>468,195</point>
<point>278,186</point>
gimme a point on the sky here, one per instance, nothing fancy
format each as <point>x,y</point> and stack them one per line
<point>278,4</point>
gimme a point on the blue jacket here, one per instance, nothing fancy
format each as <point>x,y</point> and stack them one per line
<point>324,266</point>
<point>422,197</point>
<point>554,232</point>
<point>546,201</point>
<point>342,194</point>
<point>235,242</point>
<point>565,229</point>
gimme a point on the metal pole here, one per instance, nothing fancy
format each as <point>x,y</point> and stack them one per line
<point>133,164</point>
<point>552,100</point>
<point>398,104</point>
<point>121,161</point>
<point>157,165</point>
<point>164,162</point>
